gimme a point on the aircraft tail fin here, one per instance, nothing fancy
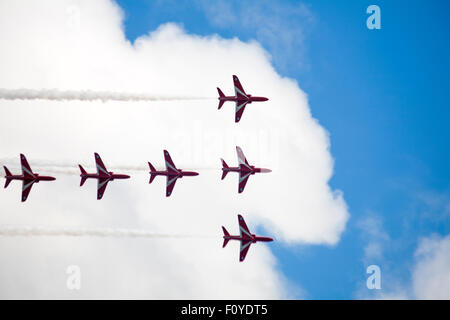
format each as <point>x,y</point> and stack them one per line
<point>152,172</point>
<point>224,166</point>
<point>221,95</point>
<point>83,172</point>
<point>82,169</point>
<point>225,234</point>
<point>8,173</point>
<point>83,180</point>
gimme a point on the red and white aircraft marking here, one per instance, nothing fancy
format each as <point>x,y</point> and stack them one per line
<point>103,176</point>
<point>246,238</point>
<point>172,173</point>
<point>241,98</point>
<point>28,177</point>
<point>244,169</point>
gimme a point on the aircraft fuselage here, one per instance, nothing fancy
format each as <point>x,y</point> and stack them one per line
<point>250,99</point>
<point>111,176</point>
<point>180,173</point>
<point>253,170</point>
<point>254,238</point>
<point>36,179</point>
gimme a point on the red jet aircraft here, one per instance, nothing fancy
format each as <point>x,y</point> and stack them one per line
<point>102,176</point>
<point>244,169</point>
<point>172,173</point>
<point>246,238</point>
<point>28,177</point>
<point>241,98</point>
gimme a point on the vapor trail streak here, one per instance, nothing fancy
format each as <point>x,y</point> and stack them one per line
<point>85,95</point>
<point>27,231</point>
<point>72,168</point>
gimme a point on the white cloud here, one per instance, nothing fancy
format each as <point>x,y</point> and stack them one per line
<point>422,276</point>
<point>80,45</point>
<point>431,275</point>
<point>280,27</point>
<point>372,231</point>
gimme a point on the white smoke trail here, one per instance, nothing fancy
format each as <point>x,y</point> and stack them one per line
<point>41,166</point>
<point>86,95</point>
<point>69,168</point>
<point>29,231</point>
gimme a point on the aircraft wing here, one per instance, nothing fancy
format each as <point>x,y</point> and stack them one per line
<point>26,169</point>
<point>171,180</point>
<point>245,246</point>
<point>101,187</point>
<point>243,229</point>
<point>243,178</point>
<point>240,107</point>
<point>101,169</point>
<point>26,188</point>
<point>169,163</point>
<point>238,89</point>
<point>242,160</point>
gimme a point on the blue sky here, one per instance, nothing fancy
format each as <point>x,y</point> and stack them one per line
<point>381,94</point>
